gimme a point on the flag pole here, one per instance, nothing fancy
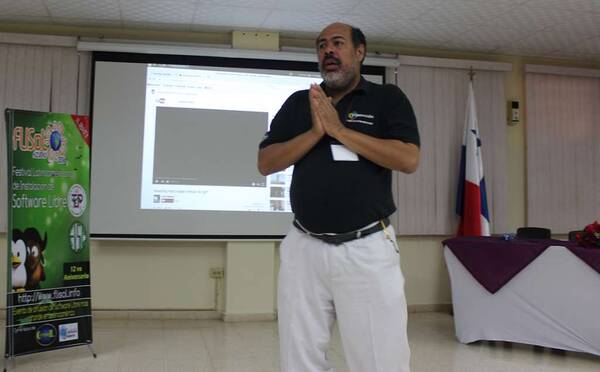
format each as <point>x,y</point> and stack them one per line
<point>471,197</point>
<point>471,73</point>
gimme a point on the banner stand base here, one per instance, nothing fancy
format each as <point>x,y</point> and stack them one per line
<point>92,351</point>
<point>5,360</point>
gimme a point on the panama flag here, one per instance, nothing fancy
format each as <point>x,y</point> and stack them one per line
<point>471,201</point>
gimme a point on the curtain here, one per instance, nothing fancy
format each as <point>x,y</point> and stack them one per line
<point>563,151</point>
<point>39,78</point>
<point>426,199</point>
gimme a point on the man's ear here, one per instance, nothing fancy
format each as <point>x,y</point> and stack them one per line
<point>360,52</point>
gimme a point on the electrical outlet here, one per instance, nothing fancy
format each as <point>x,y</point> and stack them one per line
<point>216,273</point>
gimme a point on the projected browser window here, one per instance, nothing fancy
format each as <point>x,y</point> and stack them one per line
<point>202,127</point>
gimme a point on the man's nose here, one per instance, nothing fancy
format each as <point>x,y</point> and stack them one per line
<point>328,53</point>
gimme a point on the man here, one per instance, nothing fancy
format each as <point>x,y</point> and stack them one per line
<point>340,259</point>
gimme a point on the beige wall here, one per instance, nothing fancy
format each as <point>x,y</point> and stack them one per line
<point>425,273</point>
<point>174,275</point>
<point>154,275</point>
<point>149,275</point>
<point>249,281</point>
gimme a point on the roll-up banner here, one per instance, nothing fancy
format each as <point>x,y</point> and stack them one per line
<point>48,285</point>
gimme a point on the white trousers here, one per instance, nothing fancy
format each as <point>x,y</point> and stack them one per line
<point>360,284</point>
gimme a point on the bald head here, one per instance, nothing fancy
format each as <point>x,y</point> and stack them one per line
<point>340,56</point>
<point>354,34</point>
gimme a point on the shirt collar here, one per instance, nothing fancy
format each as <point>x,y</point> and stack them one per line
<point>363,85</point>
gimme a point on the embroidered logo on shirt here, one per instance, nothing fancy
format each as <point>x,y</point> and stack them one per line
<point>355,117</point>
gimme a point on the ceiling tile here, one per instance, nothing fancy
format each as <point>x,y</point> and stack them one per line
<point>429,31</point>
<point>543,43</point>
<point>579,5</point>
<point>531,18</point>
<point>468,46</point>
<point>156,11</point>
<point>85,9</point>
<point>594,42</point>
<point>333,7</point>
<point>583,46</point>
<point>260,4</point>
<point>494,36</point>
<point>393,9</point>
<point>585,25</point>
<point>410,43</point>
<point>28,8</point>
<point>234,17</point>
<point>564,28</point>
<point>373,26</point>
<point>299,21</point>
<point>465,12</point>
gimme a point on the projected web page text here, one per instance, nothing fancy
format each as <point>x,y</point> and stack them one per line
<point>202,127</point>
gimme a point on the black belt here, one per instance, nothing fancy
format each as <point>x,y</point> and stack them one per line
<point>338,239</point>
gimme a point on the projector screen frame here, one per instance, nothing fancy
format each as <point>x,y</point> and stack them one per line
<point>200,61</point>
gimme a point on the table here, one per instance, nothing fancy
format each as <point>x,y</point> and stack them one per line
<point>554,301</point>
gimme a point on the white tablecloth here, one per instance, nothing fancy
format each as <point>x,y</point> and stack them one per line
<point>553,302</point>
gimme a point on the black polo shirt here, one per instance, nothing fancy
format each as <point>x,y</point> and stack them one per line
<point>340,196</point>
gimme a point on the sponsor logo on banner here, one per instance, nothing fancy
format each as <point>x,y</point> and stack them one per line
<point>77,200</point>
<point>77,237</point>
<point>45,335</point>
<point>68,332</point>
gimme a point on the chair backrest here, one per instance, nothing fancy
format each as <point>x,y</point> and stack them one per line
<point>533,233</point>
<point>573,235</point>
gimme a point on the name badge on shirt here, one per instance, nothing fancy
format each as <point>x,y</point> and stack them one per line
<point>342,153</point>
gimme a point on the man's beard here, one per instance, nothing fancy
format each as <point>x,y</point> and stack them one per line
<point>338,80</point>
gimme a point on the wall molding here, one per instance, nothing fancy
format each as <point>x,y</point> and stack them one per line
<point>464,64</point>
<point>431,308</point>
<point>266,317</point>
<point>556,70</point>
<point>155,314</point>
<point>123,46</point>
<point>40,40</point>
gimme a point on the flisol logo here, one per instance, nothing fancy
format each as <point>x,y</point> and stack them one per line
<point>49,143</point>
<point>45,335</point>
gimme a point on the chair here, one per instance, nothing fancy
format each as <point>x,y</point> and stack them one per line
<point>573,234</point>
<point>533,233</point>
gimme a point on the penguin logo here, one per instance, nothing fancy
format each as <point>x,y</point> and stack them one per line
<point>19,254</point>
<point>33,260</point>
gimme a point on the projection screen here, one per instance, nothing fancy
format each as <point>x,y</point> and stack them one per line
<point>175,140</point>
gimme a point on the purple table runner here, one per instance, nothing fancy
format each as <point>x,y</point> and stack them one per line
<point>590,256</point>
<point>493,261</point>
